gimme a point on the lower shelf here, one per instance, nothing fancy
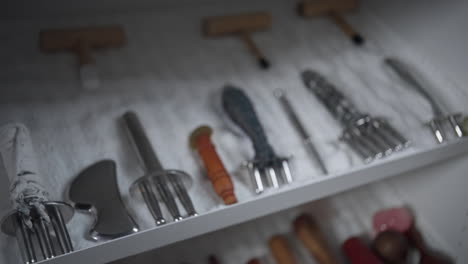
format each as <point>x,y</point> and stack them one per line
<point>287,197</point>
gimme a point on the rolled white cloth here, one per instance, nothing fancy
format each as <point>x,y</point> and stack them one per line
<point>20,162</point>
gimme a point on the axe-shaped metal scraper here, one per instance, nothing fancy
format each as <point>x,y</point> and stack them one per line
<point>95,190</point>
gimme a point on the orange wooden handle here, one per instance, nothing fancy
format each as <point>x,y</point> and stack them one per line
<point>280,250</point>
<point>309,234</point>
<point>219,177</point>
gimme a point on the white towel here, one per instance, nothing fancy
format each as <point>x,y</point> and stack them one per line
<point>19,159</point>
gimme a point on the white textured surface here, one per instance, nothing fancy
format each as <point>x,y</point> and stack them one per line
<point>340,217</point>
<point>171,77</point>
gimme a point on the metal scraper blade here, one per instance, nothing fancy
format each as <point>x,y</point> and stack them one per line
<point>95,190</point>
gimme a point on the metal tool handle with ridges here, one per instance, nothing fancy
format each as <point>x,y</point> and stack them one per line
<point>240,109</point>
<point>335,101</point>
<point>142,143</point>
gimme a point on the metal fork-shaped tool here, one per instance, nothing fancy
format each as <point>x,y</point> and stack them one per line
<point>372,138</point>
<point>440,116</point>
<point>266,169</point>
<point>38,224</point>
<point>157,182</point>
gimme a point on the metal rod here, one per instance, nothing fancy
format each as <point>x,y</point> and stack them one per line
<point>25,235</point>
<point>439,134</point>
<point>287,107</point>
<point>456,127</point>
<point>142,143</point>
<point>160,183</point>
<point>286,171</point>
<point>152,203</point>
<point>271,174</point>
<point>63,229</point>
<point>256,178</point>
<point>182,194</point>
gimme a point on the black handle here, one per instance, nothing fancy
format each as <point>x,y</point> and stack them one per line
<point>240,109</point>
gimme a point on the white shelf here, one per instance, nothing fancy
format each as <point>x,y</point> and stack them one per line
<point>263,205</point>
<point>171,77</point>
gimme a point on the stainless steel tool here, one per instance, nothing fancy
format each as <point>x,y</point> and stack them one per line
<point>158,182</point>
<point>440,116</point>
<point>266,169</point>
<point>372,138</point>
<point>38,224</point>
<point>95,191</point>
<point>286,104</point>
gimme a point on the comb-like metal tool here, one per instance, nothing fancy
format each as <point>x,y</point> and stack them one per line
<point>158,182</point>
<point>372,138</point>
<point>266,169</point>
<point>38,224</point>
<point>440,116</point>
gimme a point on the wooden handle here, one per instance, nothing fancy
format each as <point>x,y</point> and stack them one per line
<point>83,51</point>
<point>309,234</point>
<point>346,27</point>
<point>254,50</point>
<point>219,177</point>
<point>280,250</point>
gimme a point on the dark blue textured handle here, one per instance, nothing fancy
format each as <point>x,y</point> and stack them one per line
<point>240,109</point>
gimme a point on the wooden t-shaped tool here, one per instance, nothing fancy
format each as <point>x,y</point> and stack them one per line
<point>333,9</point>
<point>82,41</point>
<point>241,25</point>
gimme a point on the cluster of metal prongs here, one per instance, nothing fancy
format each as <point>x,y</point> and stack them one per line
<point>372,138</point>
<point>51,238</point>
<point>266,169</point>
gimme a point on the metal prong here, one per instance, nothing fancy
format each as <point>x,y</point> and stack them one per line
<point>437,130</point>
<point>182,194</point>
<point>61,231</point>
<point>362,151</point>
<point>394,133</point>
<point>43,239</point>
<point>456,127</point>
<point>256,178</point>
<point>152,203</point>
<point>25,234</point>
<point>166,196</point>
<point>286,171</point>
<point>273,178</point>
<point>357,136</point>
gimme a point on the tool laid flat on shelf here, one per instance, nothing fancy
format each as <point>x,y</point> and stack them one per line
<point>37,223</point>
<point>372,138</point>
<point>242,25</point>
<point>287,107</point>
<point>82,41</point>
<point>95,191</point>
<point>440,116</point>
<point>266,169</point>
<point>334,10</point>
<point>158,182</point>
<point>200,140</point>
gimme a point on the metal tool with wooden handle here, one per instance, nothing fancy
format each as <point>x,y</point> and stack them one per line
<point>333,9</point>
<point>280,250</point>
<point>82,41</point>
<point>308,232</point>
<point>219,177</point>
<point>241,25</point>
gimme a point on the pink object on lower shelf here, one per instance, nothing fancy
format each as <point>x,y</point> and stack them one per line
<point>397,219</point>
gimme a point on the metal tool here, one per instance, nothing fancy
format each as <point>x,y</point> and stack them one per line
<point>440,116</point>
<point>95,190</point>
<point>287,107</point>
<point>38,224</point>
<point>266,169</point>
<point>158,182</point>
<point>372,138</point>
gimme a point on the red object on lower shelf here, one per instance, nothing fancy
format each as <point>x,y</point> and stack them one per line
<point>358,253</point>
